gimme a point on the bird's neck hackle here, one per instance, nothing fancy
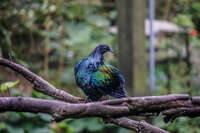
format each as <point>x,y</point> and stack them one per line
<point>97,56</point>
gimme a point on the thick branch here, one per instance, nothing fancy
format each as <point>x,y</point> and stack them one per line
<point>171,106</point>
<point>111,108</point>
<point>40,84</point>
<point>57,108</point>
<point>105,109</point>
<point>190,111</point>
<point>130,106</point>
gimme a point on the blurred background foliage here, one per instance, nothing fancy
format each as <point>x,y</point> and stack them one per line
<point>50,36</point>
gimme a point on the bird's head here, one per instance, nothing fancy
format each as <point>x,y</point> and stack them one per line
<point>102,48</point>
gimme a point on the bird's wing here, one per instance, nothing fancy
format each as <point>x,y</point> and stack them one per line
<point>76,68</point>
<point>109,80</point>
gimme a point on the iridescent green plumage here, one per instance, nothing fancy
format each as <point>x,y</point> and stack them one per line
<point>108,79</point>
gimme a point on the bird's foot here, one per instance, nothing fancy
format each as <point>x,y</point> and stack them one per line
<point>82,100</point>
<point>86,99</point>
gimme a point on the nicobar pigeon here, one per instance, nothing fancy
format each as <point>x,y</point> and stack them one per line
<point>96,79</point>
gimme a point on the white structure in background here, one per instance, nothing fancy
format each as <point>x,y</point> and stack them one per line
<point>159,26</point>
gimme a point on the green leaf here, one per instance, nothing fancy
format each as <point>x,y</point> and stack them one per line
<point>123,130</point>
<point>45,117</point>
<point>78,125</point>
<point>12,116</point>
<point>5,86</point>
<point>40,130</point>
<point>94,125</point>
<point>14,129</point>
<point>2,126</point>
<point>184,21</point>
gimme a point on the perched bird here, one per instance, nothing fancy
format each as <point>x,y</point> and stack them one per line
<point>96,79</point>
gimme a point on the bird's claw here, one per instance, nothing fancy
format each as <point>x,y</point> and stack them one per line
<point>86,99</point>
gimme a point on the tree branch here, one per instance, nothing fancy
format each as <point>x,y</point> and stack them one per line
<point>40,84</point>
<point>105,109</point>
<point>20,104</point>
<point>142,126</point>
<point>55,108</point>
<point>170,105</point>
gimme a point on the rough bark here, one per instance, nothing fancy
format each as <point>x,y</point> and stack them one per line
<point>141,126</point>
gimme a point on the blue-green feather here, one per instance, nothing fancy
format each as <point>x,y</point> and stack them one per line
<point>109,80</point>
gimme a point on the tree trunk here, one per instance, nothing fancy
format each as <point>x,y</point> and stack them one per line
<point>131,42</point>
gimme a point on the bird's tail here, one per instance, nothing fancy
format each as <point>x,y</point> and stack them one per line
<point>118,92</point>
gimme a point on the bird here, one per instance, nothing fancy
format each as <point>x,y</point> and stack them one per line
<point>97,79</point>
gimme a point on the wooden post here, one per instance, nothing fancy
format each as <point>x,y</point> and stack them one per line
<point>131,42</point>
